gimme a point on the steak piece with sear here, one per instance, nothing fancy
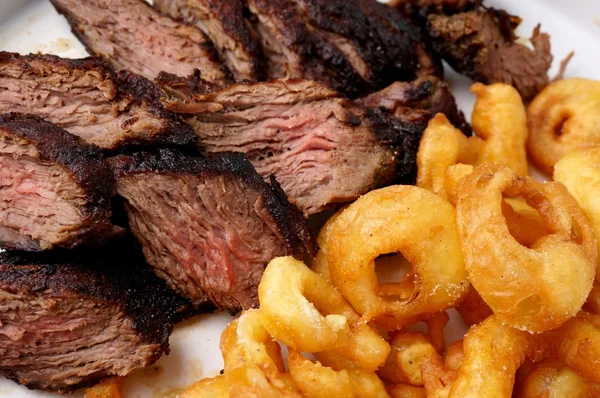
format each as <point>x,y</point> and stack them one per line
<point>55,190</point>
<point>88,100</point>
<point>71,318</point>
<point>208,226</point>
<point>131,35</point>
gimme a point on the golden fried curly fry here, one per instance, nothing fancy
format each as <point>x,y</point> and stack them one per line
<point>406,391</point>
<point>254,366</point>
<point>316,380</point>
<point>562,118</point>
<point>553,379</point>
<point>215,387</point>
<point>107,388</point>
<point>404,362</point>
<point>327,322</point>
<point>580,172</point>
<point>473,309</point>
<point>537,288</point>
<point>391,220</point>
<point>435,329</point>
<point>524,222</point>
<point>500,120</point>
<point>455,355</point>
<point>453,175</point>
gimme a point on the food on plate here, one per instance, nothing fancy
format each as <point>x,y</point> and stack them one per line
<point>223,21</point>
<point>316,380</point>
<point>500,120</point>
<point>328,323</point>
<point>208,226</point>
<point>551,378</point>
<point>207,388</point>
<point>428,95</point>
<point>131,35</point>
<point>403,365</point>
<point>88,100</point>
<point>391,220</point>
<point>322,149</point>
<point>534,289</point>
<point>254,366</point>
<point>70,318</point>
<point>55,189</point>
<point>473,309</point>
<point>108,388</point>
<point>482,44</point>
<point>562,118</point>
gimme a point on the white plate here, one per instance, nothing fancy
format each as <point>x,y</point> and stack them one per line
<point>34,26</point>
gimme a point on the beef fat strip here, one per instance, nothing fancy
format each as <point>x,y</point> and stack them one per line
<point>55,190</point>
<point>322,149</point>
<point>223,21</point>
<point>88,100</point>
<point>131,35</point>
<point>67,320</point>
<point>208,226</point>
<point>482,44</point>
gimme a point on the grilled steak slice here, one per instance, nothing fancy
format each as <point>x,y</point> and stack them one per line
<point>131,35</point>
<point>322,149</point>
<point>88,100</point>
<point>208,226</point>
<point>55,190</point>
<point>223,21</point>
<point>68,319</point>
<point>482,45</point>
<point>429,95</point>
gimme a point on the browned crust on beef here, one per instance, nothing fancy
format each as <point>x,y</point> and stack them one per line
<point>209,51</point>
<point>127,84</point>
<point>114,275</point>
<point>295,234</point>
<point>84,162</point>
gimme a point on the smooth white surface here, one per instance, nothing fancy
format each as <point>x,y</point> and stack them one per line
<point>34,26</point>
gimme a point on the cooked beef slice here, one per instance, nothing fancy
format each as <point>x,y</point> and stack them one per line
<point>70,318</point>
<point>208,226</point>
<point>419,8</point>
<point>321,148</point>
<point>86,99</point>
<point>55,190</point>
<point>223,21</point>
<point>482,45</point>
<point>429,95</point>
<point>131,35</point>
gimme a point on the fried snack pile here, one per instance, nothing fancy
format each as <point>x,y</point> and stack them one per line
<point>517,258</point>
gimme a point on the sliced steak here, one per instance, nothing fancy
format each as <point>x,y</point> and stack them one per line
<point>223,21</point>
<point>68,319</point>
<point>131,35</point>
<point>88,100</point>
<point>429,95</point>
<point>482,45</point>
<point>322,149</point>
<point>55,190</point>
<point>208,226</point>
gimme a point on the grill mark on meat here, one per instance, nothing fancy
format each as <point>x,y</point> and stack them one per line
<point>55,189</point>
<point>482,45</point>
<point>321,148</point>
<point>131,35</point>
<point>223,21</point>
<point>88,100</point>
<point>429,95</point>
<point>208,226</point>
<point>68,319</point>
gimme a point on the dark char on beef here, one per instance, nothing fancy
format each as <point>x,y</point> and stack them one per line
<point>208,226</point>
<point>131,35</point>
<point>89,100</point>
<point>323,149</point>
<point>70,318</point>
<point>223,21</point>
<point>55,190</point>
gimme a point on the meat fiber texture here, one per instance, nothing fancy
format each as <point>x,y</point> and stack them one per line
<point>70,318</point>
<point>208,226</point>
<point>55,189</point>
<point>88,100</point>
